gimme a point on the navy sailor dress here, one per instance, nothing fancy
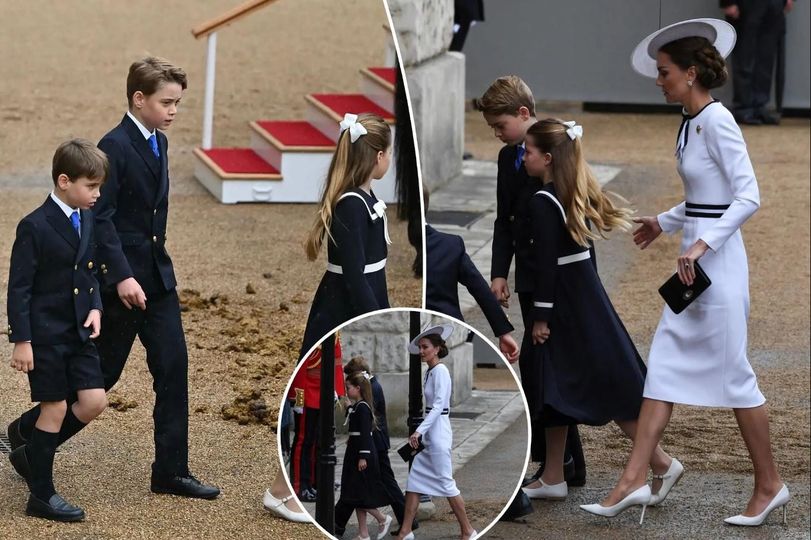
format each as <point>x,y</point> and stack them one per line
<point>588,371</point>
<point>361,489</point>
<point>355,280</point>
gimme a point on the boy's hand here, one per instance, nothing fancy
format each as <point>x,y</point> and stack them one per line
<point>361,464</point>
<point>131,293</point>
<point>501,291</point>
<point>94,321</point>
<point>508,347</point>
<point>22,358</point>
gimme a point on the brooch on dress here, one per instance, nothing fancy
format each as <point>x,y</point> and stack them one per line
<point>698,130</point>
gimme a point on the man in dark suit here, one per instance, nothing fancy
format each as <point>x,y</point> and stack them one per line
<point>760,25</point>
<point>380,436</point>
<point>54,313</point>
<point>139,293</point>
<point>466,13</point>
<point>508,107</point>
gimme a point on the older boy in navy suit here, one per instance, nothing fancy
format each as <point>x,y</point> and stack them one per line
<point>508,107</point>
<point>139,282</point>
<point>54,311</point>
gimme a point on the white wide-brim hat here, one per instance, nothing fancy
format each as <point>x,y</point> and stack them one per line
<point>720,33</point>
<point>442,330</point>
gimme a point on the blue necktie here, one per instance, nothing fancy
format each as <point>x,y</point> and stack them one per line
<point>518,157</point>
<point>153,143</point>
<point>74,220</point>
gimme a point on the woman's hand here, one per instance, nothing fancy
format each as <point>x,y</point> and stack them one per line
<point>687,261</point>
<point>361,464</point>
<point>540,332</point>
<point>647,232</point>
<point>414,440</point>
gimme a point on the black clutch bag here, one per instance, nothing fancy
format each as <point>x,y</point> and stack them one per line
<point>408,453</point>
<point>678,295</point>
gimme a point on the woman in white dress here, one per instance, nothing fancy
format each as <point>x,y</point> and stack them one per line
<point>698,357</point>
<point>431,470</point>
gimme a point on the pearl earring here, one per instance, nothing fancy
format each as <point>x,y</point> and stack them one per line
<point>689,83</point>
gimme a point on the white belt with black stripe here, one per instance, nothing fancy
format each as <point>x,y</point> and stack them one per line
<point>368,269</point>
<point>444,411</point>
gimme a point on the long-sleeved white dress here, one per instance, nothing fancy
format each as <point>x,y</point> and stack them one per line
<point>432,471</point>
<point>698,357</point>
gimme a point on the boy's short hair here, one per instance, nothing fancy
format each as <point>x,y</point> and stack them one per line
<point>356,365</point>
<point>505,96</point>
<point>79,158</point>
<point>149,74</point>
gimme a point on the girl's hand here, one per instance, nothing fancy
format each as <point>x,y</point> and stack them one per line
<point>361,464</point>
<point>686,263</point>
<point>647,232</point>
<point>414,440</point>
<point>540,332</point>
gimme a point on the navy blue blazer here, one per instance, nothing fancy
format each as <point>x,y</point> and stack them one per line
<point>132,211</point>
<point>52,284</point>
<point>448,264</point>
<point>513,226</point>
<point>381,434</point>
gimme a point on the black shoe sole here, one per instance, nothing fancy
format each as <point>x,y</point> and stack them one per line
<point>63,518</point>
<point>168,491</point>
<point>19,462</point>
<point>15,438</point>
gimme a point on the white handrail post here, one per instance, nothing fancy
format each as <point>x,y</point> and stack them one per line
<point>208,104</point>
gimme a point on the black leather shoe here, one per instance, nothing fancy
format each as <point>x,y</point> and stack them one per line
<point>768,119</point>
<point>56,509</point>
<point>519,507</point>
<point>184,486</point>
<point>19,460</point>
<point>307,495</point>
<point>15,437</point>
<point>748,119</point>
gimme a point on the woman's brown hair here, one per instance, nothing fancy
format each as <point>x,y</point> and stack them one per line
<point>711,68</point>
<point>437,341</point>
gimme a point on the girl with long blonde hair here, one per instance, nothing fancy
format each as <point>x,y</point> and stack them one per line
<point>588,370</point>
<point>353,224</point>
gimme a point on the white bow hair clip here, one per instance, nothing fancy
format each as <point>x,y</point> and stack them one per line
<point>366,375</point>
<point>356,129</point>
<point>573,130</point>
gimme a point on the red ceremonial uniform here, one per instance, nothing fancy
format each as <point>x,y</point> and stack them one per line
<point>305,390</point>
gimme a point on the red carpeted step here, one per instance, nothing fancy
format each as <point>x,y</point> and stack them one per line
<point>386,73</point>
<point>229,162</point>
<point>336,105</point>
<point>292,134</point>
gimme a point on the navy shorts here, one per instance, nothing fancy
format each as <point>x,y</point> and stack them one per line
<point>62,370</point>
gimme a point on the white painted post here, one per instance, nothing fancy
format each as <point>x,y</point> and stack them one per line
<point>208,104</point>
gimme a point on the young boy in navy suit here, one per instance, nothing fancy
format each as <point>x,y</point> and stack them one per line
<point>508,107</point>
<point>138,279</point>
<point>54,313</point>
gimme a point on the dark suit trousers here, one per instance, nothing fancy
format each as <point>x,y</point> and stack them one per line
<point>574,448</point>
<point>160,330</point>
<point>759,28</point>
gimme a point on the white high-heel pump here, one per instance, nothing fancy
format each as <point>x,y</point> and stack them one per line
<point>669,480</point>
<point>781,499</point>
<point>640,496</point>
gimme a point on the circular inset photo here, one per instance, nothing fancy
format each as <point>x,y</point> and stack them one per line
<point>403,421</point>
